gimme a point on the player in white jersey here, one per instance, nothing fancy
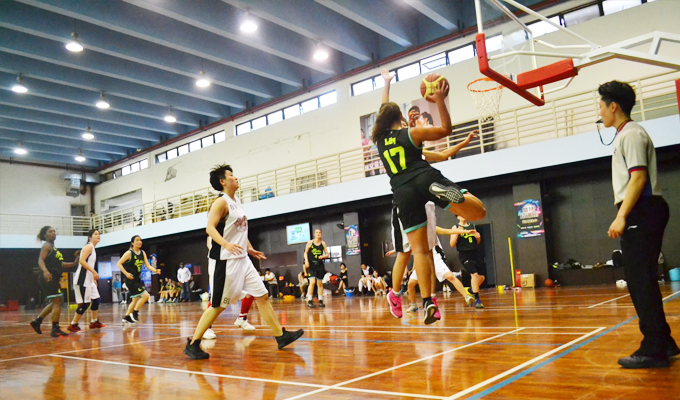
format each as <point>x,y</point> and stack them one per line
<point>85,284</point>
<point>230,269</point>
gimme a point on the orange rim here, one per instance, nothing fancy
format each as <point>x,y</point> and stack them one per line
<point>483,90</point>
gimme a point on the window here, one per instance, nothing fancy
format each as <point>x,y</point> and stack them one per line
<point>144,164</point>
<point>243,128</point>
<point>581,15</point>
<point>126,170</point>
<point>182,150</point>
<point>259,123</point>
<point>328,98</point>
<point>611,6</point>
<point>541,28</point>
<point>310,105</point>
<point>462,54</point>
<point>134,167</point>
<point>291,112</point>
<point>362,87</point>
<point>219,137</point>
<point>379,81</point>
<point>408,71</point>
<point>195,145</point>
<point>171,154</point>
<point>161,157</point>
<point>207,141</point>
<point>275,117</point>
<point>432,63</point>
<point>494,43</point>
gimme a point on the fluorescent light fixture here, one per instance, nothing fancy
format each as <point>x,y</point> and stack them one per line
<point>202,81</point>
<point>170,117</point>
<point>74,45</point>
<point>102,103</point>
<point>87,135</point>
<point>248,25</point>
<point>320,53</point>
<point>19,86</point>
<point>20,150</point>
<point>80,157</point>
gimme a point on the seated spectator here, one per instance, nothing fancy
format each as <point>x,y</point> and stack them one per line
<point>272,283</point>
<point>194,290</point>
<point>365,281</point>
<point>344,280</point>
<point>303,282</point>
<point>379,285</point>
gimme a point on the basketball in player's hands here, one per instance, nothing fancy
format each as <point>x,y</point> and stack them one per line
<point>430,83</point>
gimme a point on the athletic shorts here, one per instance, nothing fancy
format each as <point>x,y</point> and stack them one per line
<point>473,261</point>
<point>136,287</point>
<point>86,293</point>
<point>410,198</point>
<point>440,269</point>
<point>317,271</point>
<point>399,237</point>
<point>51,289</point>
<point>231,279</point>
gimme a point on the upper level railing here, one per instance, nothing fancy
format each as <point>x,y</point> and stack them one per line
<point>567,116</point>
<point>23,224</point>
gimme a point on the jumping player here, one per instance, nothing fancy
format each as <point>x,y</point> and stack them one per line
<point>51,264</point>
<point>231,271</point>
<point>130,264</point>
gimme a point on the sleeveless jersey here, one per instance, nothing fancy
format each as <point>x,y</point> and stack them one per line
<point>134,264</point>
<point>313,254</point>
<point>83,276</point>
<point>402,160</point>
<point>467,242</point>
<point>53,261</point>
<point>234,228</point>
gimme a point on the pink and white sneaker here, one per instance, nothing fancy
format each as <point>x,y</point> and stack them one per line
<point>395,304</point>
<point>437,315</point>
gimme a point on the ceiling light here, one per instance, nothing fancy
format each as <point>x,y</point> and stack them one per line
<point>170,117</point>
<point>20,150</point>
<point>80,157</point>
<point>88,134</point>
<point>320,53</point>
<point>248,25</point>
<point>74,45</point>
<point>102,103</point>
<point>202,81</point>
<point>19,86</point>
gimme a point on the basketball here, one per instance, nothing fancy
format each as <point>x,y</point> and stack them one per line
<point>429,83</point>
<point>549,283</point>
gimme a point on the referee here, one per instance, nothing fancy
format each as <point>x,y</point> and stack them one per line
<point>640,222</point>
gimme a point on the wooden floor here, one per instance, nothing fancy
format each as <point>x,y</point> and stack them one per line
<point>535,344</point>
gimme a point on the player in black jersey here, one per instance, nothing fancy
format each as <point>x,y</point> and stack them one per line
<point>414,182</point>
<point>130,264</point>
<point>315,252</point>
<point>51,264</point>
<point>471,256</point>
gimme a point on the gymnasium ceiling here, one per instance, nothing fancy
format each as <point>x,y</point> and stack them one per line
<point>146,55</point>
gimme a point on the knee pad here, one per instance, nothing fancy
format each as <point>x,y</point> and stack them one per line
<point>95,304</point>
<point>82,308</point>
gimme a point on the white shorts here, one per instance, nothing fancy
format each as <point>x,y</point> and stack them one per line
<point>86,293</point>
<point>231,279</point>
<point>440,269</point>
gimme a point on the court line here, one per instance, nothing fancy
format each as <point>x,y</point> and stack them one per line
<point>245,378</point>
<point>558,356</point>
<point>527,363</point>
<point>92,348</point>
<point>338,385</point>
<point>605,302</point>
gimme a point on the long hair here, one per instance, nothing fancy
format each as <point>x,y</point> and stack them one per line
<point>132,241</point>
<point>43,232</point>
<point>90,233</point>
<point>388,114</point>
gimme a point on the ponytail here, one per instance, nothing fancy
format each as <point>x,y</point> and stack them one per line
<point>388,114</point>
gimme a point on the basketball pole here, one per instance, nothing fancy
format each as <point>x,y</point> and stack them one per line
<point>512,265</point>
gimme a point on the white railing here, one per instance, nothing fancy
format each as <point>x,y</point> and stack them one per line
<point>567,116</point>
<point>22,224</point>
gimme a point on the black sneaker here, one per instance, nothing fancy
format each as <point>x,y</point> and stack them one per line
<point>635,362</point>
<point>430,310</point>
<point>449,193</point>
<point>36,326</point>
<point>135,316</point>
<point>194,351</point>
<point>321,305</point>
<point>128,320</point>
<point>57,332</point>
<point>288,337</point>
<point>672,350</point>
<point>310,304</point>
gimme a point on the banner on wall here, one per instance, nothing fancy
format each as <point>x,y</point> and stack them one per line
<point>529,219</point>
<point>352,238</point>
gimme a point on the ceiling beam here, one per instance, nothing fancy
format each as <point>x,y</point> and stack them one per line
<point>91,145</point>
<point>49,149</point>
<point>443,12</point>
<point>133,21</point>
<point>38,156</point>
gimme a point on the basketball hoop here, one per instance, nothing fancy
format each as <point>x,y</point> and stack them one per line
<point>487,96</point>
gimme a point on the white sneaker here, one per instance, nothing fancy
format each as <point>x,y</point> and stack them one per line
<point>243,323</point>
<point>412,308</point>
<point>469,300</point>
<point>209,335</point>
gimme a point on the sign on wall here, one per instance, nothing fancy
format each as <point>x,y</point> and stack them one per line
<point>352,238</point>
<point>529,219</point>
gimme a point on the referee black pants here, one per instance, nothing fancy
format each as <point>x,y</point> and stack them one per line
<point>641,245</point>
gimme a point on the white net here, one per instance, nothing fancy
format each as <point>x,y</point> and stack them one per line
<point>487,96</point>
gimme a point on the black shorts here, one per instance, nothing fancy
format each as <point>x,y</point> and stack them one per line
<point>135,287</point>
<point>410,198</point>
<point>316,270</point>
<point>473,261</point>
<point>52,288</point>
